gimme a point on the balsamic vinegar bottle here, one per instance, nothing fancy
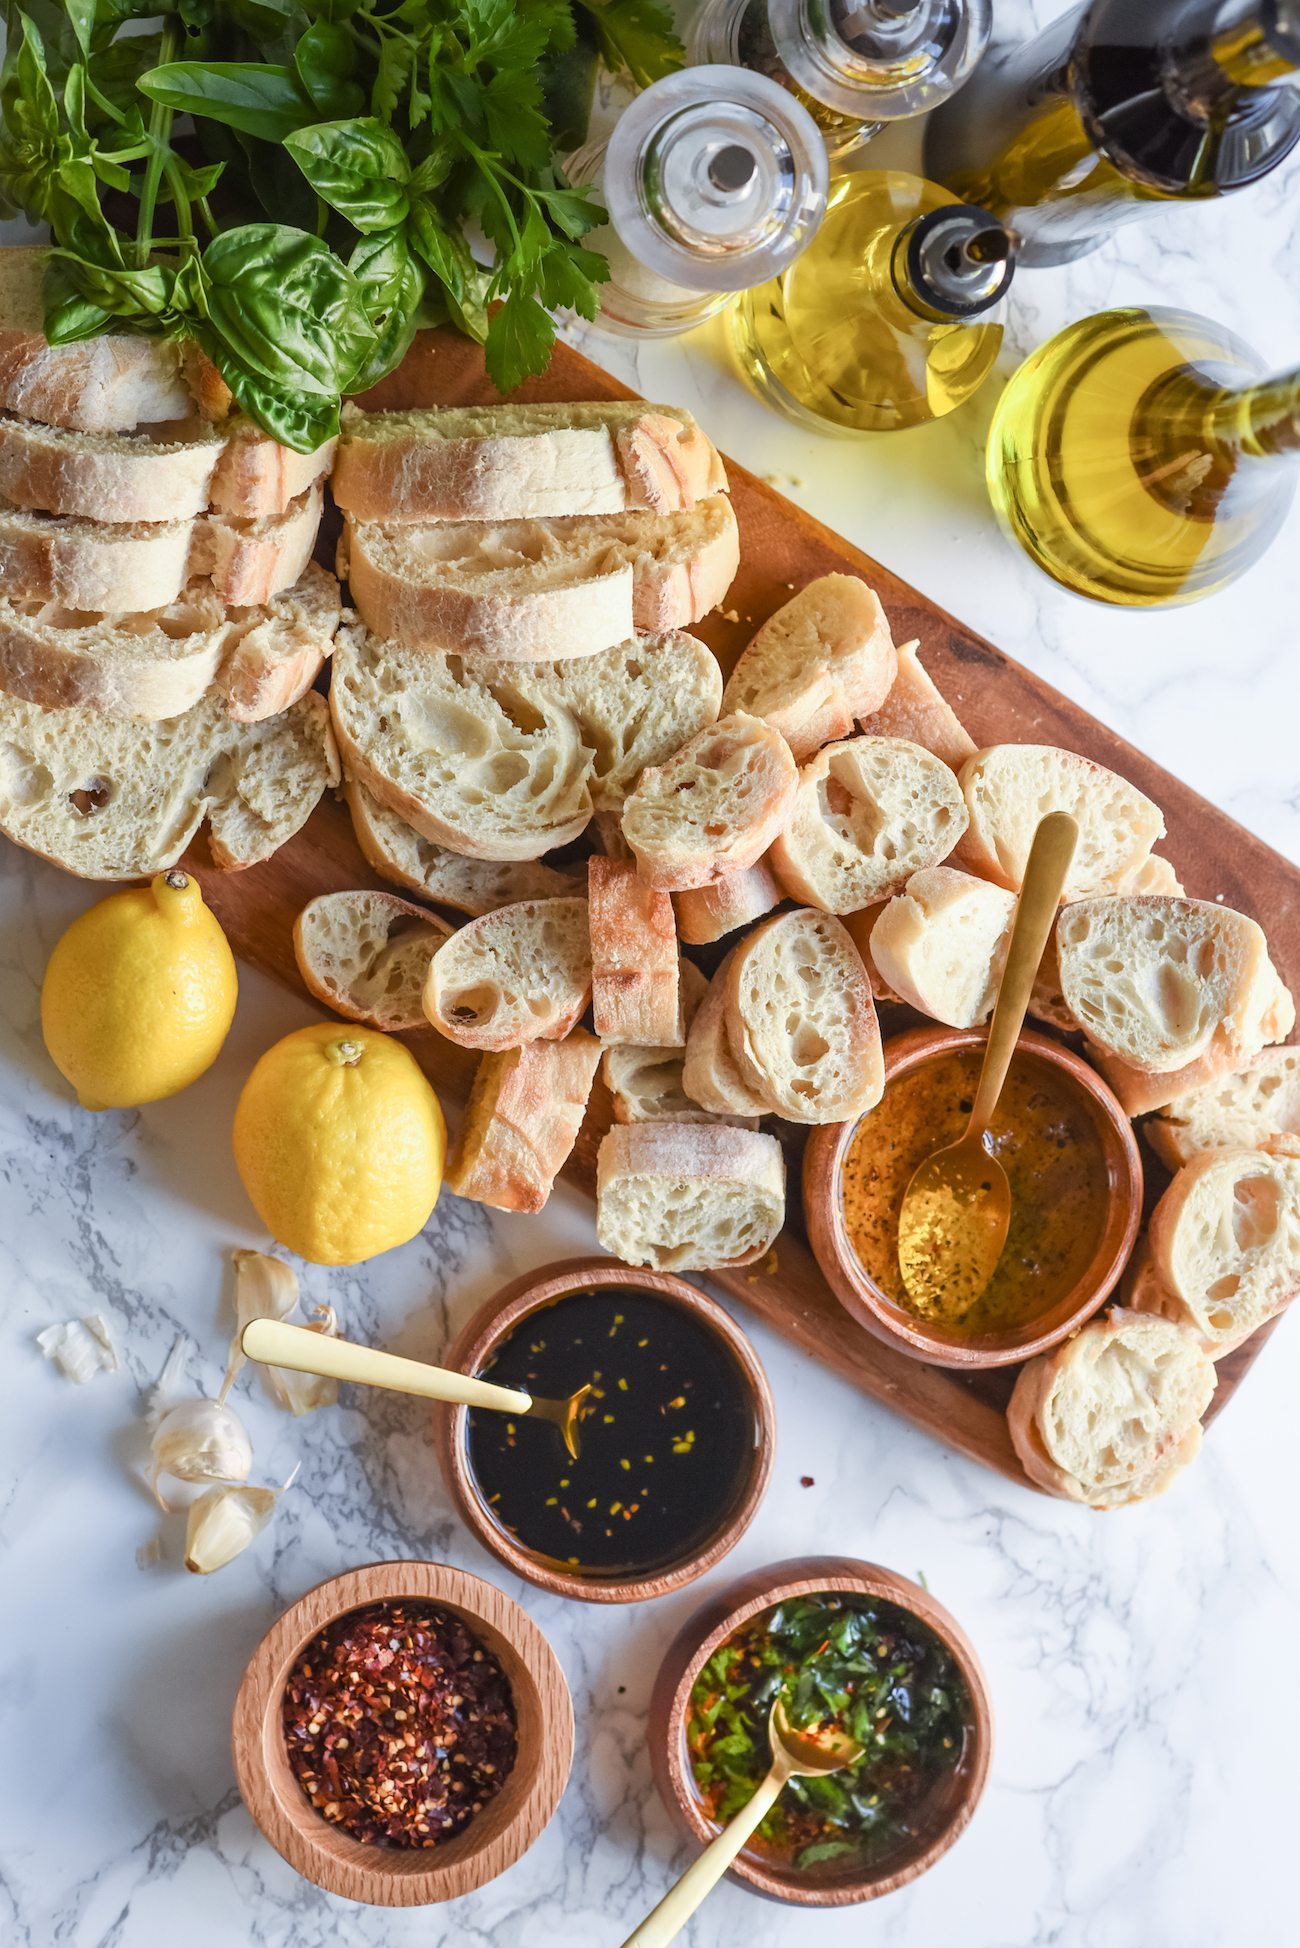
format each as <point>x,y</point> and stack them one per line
<point>1119,106</point>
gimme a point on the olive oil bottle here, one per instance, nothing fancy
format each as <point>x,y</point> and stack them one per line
<point>890,317</point>
<point>1140,457</point>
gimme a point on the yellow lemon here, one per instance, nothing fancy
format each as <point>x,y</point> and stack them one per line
<point>340,1142</point>
<point>139,994</point>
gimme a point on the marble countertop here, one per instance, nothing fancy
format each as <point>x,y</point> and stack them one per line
<point>1140,1663</point>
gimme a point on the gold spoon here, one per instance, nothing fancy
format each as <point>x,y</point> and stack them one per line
<point>956,1210</point>
<point>795,1755</point>
<point>273,1343</point>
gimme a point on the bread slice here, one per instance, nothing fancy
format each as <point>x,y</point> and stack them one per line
<point>917,710</point>
<point>941,944</point>
<point>521,974</point>
<point>524,590</point>
<point>686,1197</point>
<point>801,1021</point>
<point>635,705</point>
<point>1246,1110</point>
<point>859,926</point>
<point>824,658</point>
<point>635,978</point>
<point>522,1121</point>
<point>1010,787</point>
<point>1112,1415</point>
<point>714,807</point>
<point>1225,1246</point>
<point>106,799</point>
<point>366,955</point>
<point>256,477</point>
<point>278,649</point>
<point>709,913</point>
<point>711,1076</point>
<point>396,850</point>
<point>869,813</point>
<point>517,463</point>
<point>646,1084</point>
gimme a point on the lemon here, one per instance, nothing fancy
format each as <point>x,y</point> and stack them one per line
<point>340,1143</point>
<point>139,994</point>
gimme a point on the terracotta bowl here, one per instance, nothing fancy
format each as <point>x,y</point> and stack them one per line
<point>470,1353</point>
<point>719,1619</point>
<point>508,1824</point>
<point>946,1346</point>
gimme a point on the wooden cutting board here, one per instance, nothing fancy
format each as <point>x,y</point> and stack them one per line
<point>997,699</point>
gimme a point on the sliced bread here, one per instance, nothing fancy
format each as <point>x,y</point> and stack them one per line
<point>1114,1414</point>
<point>366,955</point>
<point>521,1122</point>
<point>517,463</point>
<point>521,974</point>
<point>917,710</point>
<point>635,705</point>
<point>859,927</point>
<point>714,807</point>
<point>825,658</point>
<point>1225,1246</point>
<point>869,813</point>
<point>635,965</point>
<point>1010,787</point>
<point>524,590</point>
<point>801,1021</point>
<point>278,649</point>
<point>1246,1110</point>
<point>397,852</point>
<point>941,944</point>
<point>646,1084</point>
<point>711,1076</point>
<point>688,1197</point>
<point>709,913</point>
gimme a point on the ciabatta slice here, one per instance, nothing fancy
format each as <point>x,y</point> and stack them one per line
<point>646,1085</point>
<point>521,974</point>
<point>917,710</point>
<point>941,944</point>
<point>1225,1245</point>
<point>366,955</point>
<point>521,1122</point>
<point>709,913</point>
<point>688,1197</point>
<point>714,807</point>
<point>801,1021</point>
<point>824,658</point>
<point>635,965</point>
<point>397,852</point>
<point>711,1076</point>
<point>869,813</point>
<point>1010,787</point>
<point>1242,1111</point>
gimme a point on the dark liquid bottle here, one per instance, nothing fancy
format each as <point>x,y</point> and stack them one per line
<point>1119,106</point>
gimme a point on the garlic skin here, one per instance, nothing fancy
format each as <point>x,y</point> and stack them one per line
<point>222,1523</point>
<point>199,1440</point>
<point>265,1288</point>
<point>302,1393</point>
<point>82,1349</point>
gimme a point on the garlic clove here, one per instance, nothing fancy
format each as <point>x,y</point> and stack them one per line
<point>265,1288</point>
<point>222,1523</point>
<point>82,1349</point>
<point>199,1440</point>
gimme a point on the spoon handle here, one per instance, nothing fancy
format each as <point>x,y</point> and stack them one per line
<point>273,1343</point>
<point>1040,896</point>
<point>664,1923</point>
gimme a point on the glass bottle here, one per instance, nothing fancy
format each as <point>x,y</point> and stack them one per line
<point>855,64</point>
<point>1119,106</point>
<point>714,180</point>
<point>1140,457</point>
<point>890,318</point>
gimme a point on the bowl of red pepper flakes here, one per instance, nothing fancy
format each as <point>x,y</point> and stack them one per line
<point>403,1734</point>
<point>805,1859</point>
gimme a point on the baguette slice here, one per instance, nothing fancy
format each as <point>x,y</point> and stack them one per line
<point>1010,787</point>
<point>366,955</point>
<point>646,1084</point>
<point>917,710</point>
<point>869,813</point>
<point>278,649</point>
<point>1225,1246</point>
<point>1112,1415</point>
<point>823,659</point>
<point>110,800</point>
<point>708,913</point>
<point>801,1021</point>
<point>711,1076</point>
<point>396,851</point>
<point>521,1122</point>
<point>714,807</point>
<point>859,926</point>
<point>685,1197</point>
<point>635,977</point>
<point>526,590</point>
<point>521,974</point>
<point>1243,1111</point>
<point>941,944</point>
<point>518,463</point>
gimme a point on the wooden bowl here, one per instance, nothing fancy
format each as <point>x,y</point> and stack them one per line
<point>943,1345</point>
<point>493,1323</point>
<point>508,1824</point>
<point>719,1619</point>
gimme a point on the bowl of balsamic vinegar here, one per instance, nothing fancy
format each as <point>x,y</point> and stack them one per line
<point>675,1442</point>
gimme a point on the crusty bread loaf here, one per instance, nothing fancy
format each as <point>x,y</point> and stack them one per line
<point>869,813</point>
<point>526,590</point>
<point>823,659</point>
<point>709,913</point>
<point>521,1122</point>
<point>646,1084</point>
<point>941,944</point>
<point>397,852</point>
<point>635,965</point>
<point>1112,1415</point>
<point>517,463</point>
<point>714,807</point>
<point>1010,787</point>
<point>108,799</point>
<point>521,974</point>
<point>366,955</point>
<point>917,710</point>
<point>801,1021</point>
<point>688,1197</point>
<point>1245,1110</point>
<point>711,1076</point>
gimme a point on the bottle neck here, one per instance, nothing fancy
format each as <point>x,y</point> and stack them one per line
<point>1260,422</point>
<point>1192,439</point>
<point>952,263</point>
<point>878,59</point>
<point>1257,46</point>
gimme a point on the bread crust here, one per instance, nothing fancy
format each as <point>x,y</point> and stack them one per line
<point>709,913</point>
<point>349,959</point>
<point>521,1122</point>
<point>823,659</point>
<point>520,974</point>
<point>917,710</point>
<point>398,853</point>
<point>688,1196</point>
<point>107,384</point>
<point>635,980</point>
<point>711,1076</point>
<point>1247,1108</point>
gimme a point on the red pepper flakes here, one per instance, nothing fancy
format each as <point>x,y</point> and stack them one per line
<point>400,1726</point>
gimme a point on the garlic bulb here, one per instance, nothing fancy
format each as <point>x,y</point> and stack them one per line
<point>82,1349</point>
<point>223,1521</point>
<point>199,1440</point>
<point>265,1288</point>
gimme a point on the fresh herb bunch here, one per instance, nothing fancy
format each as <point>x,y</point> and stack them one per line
<point>294,185</point>
<point>870,1670</point>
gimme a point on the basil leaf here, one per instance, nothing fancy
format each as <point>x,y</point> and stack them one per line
<point>358,167</point>
<point>82,15</point>
<point>445,251</point>
<point>83,298</point>
<point>257,98</point>
<point>300,422</point>
<point>396,331</point>
<point>287,309</point>
<point>380,264</point>
<point>325,58</point>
